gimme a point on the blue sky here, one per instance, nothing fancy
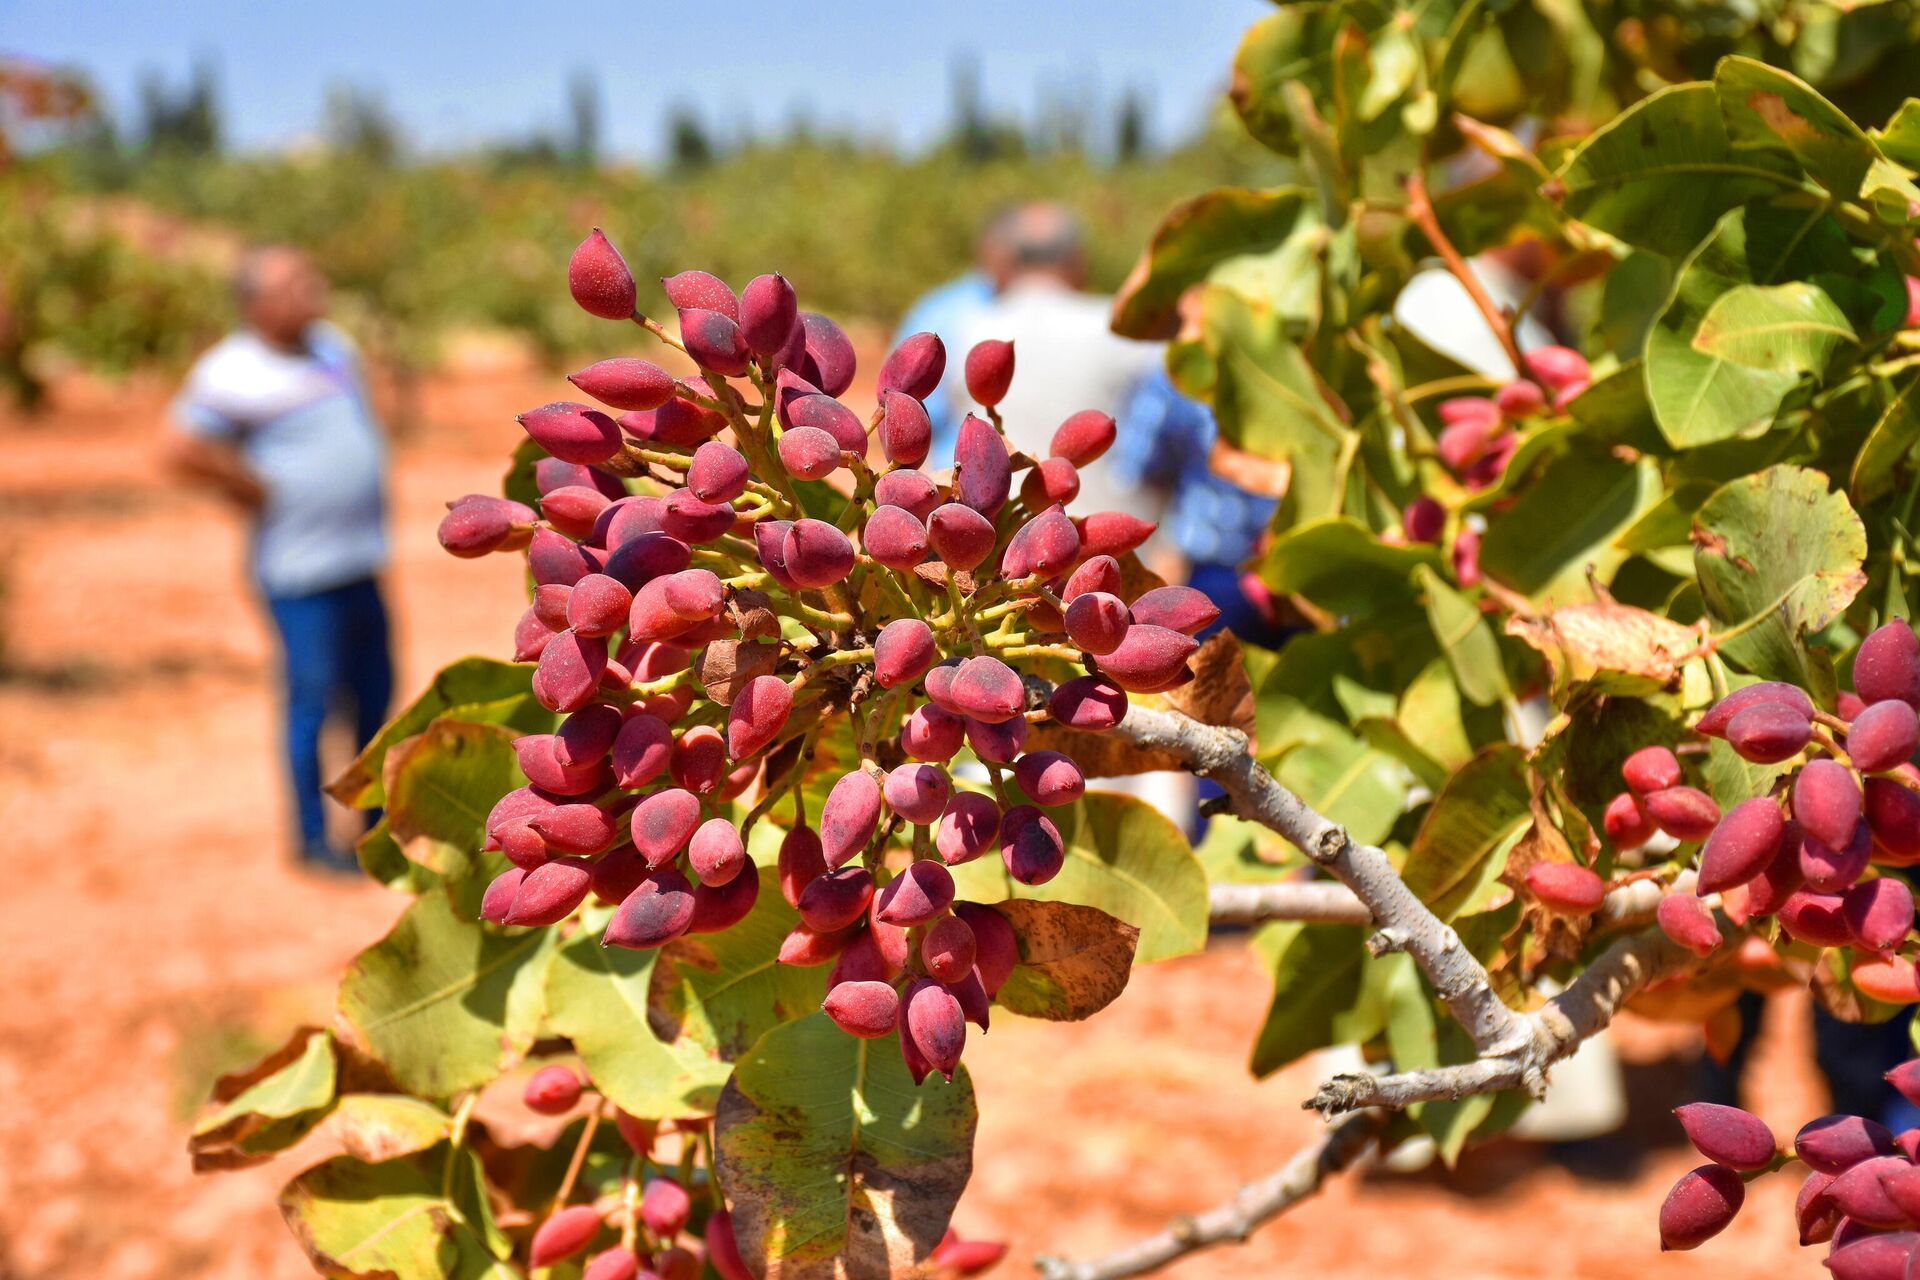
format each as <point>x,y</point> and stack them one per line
<point>457,74</point>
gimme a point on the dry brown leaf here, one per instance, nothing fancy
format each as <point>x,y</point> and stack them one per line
<point>1220,693</point>
<point>727,665</point>
<point>752,612</point>
<point>1582,640</point>
<point>1074,960</point>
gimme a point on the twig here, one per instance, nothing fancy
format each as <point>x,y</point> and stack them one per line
<point>1460,980</point>
<point>1515,1049</point>
<point>1556,1029</point>
<point>565,1192</point>
<point>1420,209</point>
<point>1231,1223</point>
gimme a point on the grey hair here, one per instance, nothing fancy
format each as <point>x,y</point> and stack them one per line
<point>1040,234</point>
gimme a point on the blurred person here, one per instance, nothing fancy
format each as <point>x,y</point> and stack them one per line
<point>1213,525</point>
<point>1066,358</point>
<point>948,309</point>
<point>275,418</point>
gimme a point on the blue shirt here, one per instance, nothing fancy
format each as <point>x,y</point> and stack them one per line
<point>302,423</point>
<point>947,310</point>
<point>1165,440</point>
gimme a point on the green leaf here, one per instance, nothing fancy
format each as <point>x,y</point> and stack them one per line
<point>1074,960</point>
<point>1900,140</point>
<point>1616,410</point>
<point>1662,172</point>
<point>381,857</point>
<point>597,998</point>
<point>1124,857</point>
<point>1421,1041</point>
<point>834,1162</point>
<point>1702,394</point>
<point>1339,565</point>
<point>270,1106</point>
<point>1888,445</point>
<point>1781,116</point>
<point>1347,778</point>
<point>392,1219</point>
<point>1778,559</point>
<point>477,690</point>
<point>1235,851</point>
<point>1268,400</point>
<point>520,482</point>
<point>1413,1037</point>
<point>1466,640</point>
<point>441,784</point>
<point>1247,236</point>
<point>1566,522</point>
<point>1462,845</point>
<point>723,991</point>
<point>444,1003</point>
<point>1732,779</point>
<point>1276,51</point>
<point>1317,973</point>
<point>1784,326</point>
<point>1435,718</point>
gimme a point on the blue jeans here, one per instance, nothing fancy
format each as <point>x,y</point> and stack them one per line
<point>333,648</point>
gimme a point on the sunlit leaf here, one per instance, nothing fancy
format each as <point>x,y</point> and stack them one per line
<point>1125,858</point>
<point>1778,557</point>
<point>444,1003</point>
<point>835,1164</point>
<point>1662,172</point>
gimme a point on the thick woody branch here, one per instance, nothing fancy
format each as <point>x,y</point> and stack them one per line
<point>1460,980</point>
<point>1629,906</point>
<point>1231,1223</point>
<point>1312,901</point>
<point>1556,1029</point>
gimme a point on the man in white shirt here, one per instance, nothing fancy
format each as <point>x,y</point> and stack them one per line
<point>1067,359</point>
<point>275,418</point>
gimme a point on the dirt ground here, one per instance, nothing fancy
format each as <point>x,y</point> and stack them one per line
<point>153,935</point>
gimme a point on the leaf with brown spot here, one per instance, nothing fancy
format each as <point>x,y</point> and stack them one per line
<point>835,1164</point>
<point>1583,641</point>
<point>377,1127</point>
<point>396,1220</point>
<point>1220,693</point>
<point>1074,960</point>
<point>727,665</point>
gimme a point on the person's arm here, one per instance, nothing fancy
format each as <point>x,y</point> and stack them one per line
<point>202,445</point>
<point>216,465</point>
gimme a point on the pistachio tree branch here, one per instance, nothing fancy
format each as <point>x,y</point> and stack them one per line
<point>1404,922</point>
<point>1312,901</point>
<point>1231,1223</point>
<point>1628,906</point>
<point>1556,1029</point>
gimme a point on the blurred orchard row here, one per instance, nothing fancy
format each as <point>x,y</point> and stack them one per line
<point>114,249</point>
